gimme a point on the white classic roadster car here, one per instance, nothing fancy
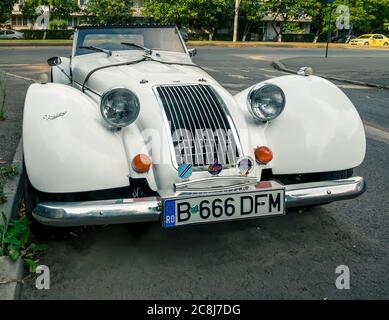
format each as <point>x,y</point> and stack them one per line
<point>131,130</point>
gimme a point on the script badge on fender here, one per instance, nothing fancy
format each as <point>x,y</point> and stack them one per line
<point>245,165</point>
<point>215,168</point>
<point>185,170</point>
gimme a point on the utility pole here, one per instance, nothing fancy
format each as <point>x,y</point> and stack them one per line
<point>329,26</point>
<point>236,20</point>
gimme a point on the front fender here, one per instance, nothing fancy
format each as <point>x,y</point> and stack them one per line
<point>318,131</point>
<point>66,147</point>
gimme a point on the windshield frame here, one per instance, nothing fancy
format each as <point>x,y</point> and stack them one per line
<point>135,26</point>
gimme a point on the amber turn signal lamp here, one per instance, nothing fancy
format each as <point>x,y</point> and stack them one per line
<point>141,163</point>
<point>263,155</point>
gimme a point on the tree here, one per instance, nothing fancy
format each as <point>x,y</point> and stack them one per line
<point>6,9</point>
<point>29,9</point>
<point>365,15</point>
<point>319,12</point>
<point>59,9</point>
<point>251,11</point>
<point>170,11</point>
<point>283,11</point>
<point>197,14</point>
<point>110,11</point>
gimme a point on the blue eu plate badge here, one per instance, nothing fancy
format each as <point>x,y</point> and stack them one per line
<point>169,213</point>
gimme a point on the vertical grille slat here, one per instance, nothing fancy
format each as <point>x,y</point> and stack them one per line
<point>200,129</point>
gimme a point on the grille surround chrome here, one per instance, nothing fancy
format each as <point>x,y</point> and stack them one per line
<point>220,103</point>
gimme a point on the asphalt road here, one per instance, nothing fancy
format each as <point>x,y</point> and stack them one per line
<point>374,70</point>
<point>284,258</point>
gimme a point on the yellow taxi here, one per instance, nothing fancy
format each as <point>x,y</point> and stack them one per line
<point>370,40</point>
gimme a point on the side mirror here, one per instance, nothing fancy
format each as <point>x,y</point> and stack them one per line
<point>55,61</point>
<point>192,52</point>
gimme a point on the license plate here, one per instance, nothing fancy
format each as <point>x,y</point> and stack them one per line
<point>226,206</point>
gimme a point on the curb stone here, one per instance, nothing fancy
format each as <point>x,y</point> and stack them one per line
<point>277,64</point>
<point>11,273</point>
<point>11,283</point>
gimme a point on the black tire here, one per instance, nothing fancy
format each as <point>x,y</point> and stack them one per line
<point>31,198</point>
<point>386,44</point>
<point>366,44</point>
<point>337,175</point>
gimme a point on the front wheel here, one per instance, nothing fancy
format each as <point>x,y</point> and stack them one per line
<point>31,198</point>
<point>386,44</point>
<point>366,43</point>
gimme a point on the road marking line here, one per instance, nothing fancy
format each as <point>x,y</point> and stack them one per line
<point>353,86</point>
<point>237,76</point>
<point>14,65</point>
<point>19,77</point>
<point>376,132</point>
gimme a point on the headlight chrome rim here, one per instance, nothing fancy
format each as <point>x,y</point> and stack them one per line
<point>262,116</point>
<point>103,106</point>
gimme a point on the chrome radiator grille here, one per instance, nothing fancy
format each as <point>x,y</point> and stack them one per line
<point>200,127</point>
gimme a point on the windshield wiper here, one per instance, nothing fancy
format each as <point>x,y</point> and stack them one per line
<point>147,50</point>
<point>108,52</point>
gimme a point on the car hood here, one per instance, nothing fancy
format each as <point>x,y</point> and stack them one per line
<point>103,73</point>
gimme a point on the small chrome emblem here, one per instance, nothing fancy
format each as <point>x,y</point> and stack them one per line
<point>245,165</point>
<point>54,116</point>
<point>185,170</point>
<point>215,168</point>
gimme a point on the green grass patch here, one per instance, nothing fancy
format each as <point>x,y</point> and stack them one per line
<point>6,172</point>
<point>15,242</point>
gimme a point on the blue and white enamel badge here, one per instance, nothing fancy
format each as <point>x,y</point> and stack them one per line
<point>185,170</point>
<point>245,166</point>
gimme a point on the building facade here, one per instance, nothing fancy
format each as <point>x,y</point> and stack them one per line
<point>18,22</point>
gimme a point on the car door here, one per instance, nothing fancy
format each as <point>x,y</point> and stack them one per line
<point>10,34</point>
<point>377,40</point>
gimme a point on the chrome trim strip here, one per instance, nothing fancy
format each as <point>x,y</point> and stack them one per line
<point>205,92</point>
<point>230,121</point>
<point>227,183</point>
<point>69,214</point>
<point>200,115</point>
<point>299,195</point>
<point>206,96</point>
<point>184,102</point>
<point>167,128</point>
<point>207,108</point>
<point>64,214</point>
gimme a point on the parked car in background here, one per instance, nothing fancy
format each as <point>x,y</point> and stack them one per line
<point>11,35</point>
<point>370,40</point>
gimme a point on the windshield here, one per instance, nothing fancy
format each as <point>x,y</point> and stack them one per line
<point>157,38</point>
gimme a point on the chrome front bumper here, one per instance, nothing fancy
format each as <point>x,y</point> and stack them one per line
<point>66,214</point>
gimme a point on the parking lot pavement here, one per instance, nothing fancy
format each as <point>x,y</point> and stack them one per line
<point>373,70</point>
<point>285,257</point>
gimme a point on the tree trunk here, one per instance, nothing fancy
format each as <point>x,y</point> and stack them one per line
<point>246,30</point>
<point>212,32</point>
<point>273,24</point>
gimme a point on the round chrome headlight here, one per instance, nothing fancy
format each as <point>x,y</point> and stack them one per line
<point>119,107</point>
<point>266,102</point>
